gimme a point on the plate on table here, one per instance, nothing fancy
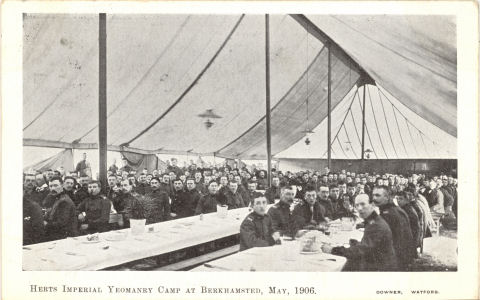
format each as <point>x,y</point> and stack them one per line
<point>116,237</point>
<point>90,242</point>
<point>311,252</point>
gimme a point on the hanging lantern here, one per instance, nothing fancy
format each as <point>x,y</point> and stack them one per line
<point>209,114</point>
<point>367,153</point>
<point>308,134</point>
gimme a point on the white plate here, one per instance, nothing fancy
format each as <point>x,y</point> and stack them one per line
<point>90,242</point>
<point>308,252</point>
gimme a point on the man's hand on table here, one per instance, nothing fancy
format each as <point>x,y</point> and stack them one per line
<point>173,215</point>
<point>327,248</point>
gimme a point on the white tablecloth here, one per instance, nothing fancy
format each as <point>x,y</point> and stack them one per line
<point>75,254</point>
<point>284,257</point>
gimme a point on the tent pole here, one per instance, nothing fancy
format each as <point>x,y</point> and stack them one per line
<point>363,122</point>
<point>267,99</point>
<point>102,100</point>
<point>329,103</point>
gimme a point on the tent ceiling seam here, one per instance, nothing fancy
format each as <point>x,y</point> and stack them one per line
<point>199,76</point>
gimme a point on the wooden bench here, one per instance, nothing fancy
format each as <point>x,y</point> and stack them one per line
<point>195,261</point>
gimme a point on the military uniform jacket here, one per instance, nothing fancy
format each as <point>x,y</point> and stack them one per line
<point>375,251</point>
<point>61,218</point>
<point>207,204</point>
<point>157,206</point>
<point>302,215</point>
<point>184,203</point>
<point>415,223</point>
<point>272,193</point>
<point>403,242</point>
<point>256,231</point>
<point>97,212</point>
<point>234,200</point>
<point>281,218</point>
<point>33,231</point>
<point>36,196</point>
<point>328,207</point>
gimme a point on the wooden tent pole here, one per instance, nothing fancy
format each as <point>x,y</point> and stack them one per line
<point>102,99</point>
<point>267,99</point>
<point>329,108</point>
<point>363,122</point>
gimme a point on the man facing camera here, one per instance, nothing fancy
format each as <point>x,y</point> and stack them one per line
<point>375,251</point>
<point>256,230</point>
<point>309,213</point>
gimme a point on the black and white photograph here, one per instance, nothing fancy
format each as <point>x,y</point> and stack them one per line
<point>240,142</point>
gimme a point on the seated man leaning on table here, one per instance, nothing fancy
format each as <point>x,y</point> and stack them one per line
<point>309,213</point>
<point>94,211</point>
<point>280,212</point>
<point>256,230</point>
<point>375,251</point>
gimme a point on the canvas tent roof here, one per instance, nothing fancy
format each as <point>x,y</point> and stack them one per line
<point>162,71</point>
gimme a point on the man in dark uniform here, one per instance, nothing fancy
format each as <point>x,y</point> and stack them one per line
<point>123,202</point>
<point>142,187</point>
<point>160,210</point>
<point>82,192</point>
<point>31,192</point>
<point>165,184</point>
<point>33,230</point>
<point>200,184</point>
<point>234,199</point>
<point>415,225</point>
<point>375,251</point>
<point>208,203</point>
<point>188,201</point>
<point>252,193</point>
<point>273,192</point>
<point>280,212</point>
<point>69,184</point>
<point>178,197</point>
<point>256,230</point>
<point>243,191</point>
<point>83,167</point>
<point>308,214</point>
<point>399,224</point>
<point>61,219</point>
<point>324,201</point>
<point>94,211</point>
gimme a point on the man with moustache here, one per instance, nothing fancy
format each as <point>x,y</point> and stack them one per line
<point>399,224</point>
<point>61,219</point>
<point>30,190</point>
<point>280,212</point>
<point>160,210</point>
<point>375,252</point>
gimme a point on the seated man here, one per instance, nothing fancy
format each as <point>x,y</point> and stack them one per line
<point>280,212</point>
<point>158,208</point>
<point>234,199</point>
<point>375,251</point>
<point>252,193</point>
<point>94,211</point>
<point>60,220</point>
<point>208,203</point>
<point>273,192</point>
<point>325,202</point>
<point>256,230</point>
<point>308,214</point>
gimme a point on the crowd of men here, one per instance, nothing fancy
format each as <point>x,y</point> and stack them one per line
<point>395,208</point>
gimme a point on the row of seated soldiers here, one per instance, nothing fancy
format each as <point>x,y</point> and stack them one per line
<point>155,199</point>
<point>395,224</point>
